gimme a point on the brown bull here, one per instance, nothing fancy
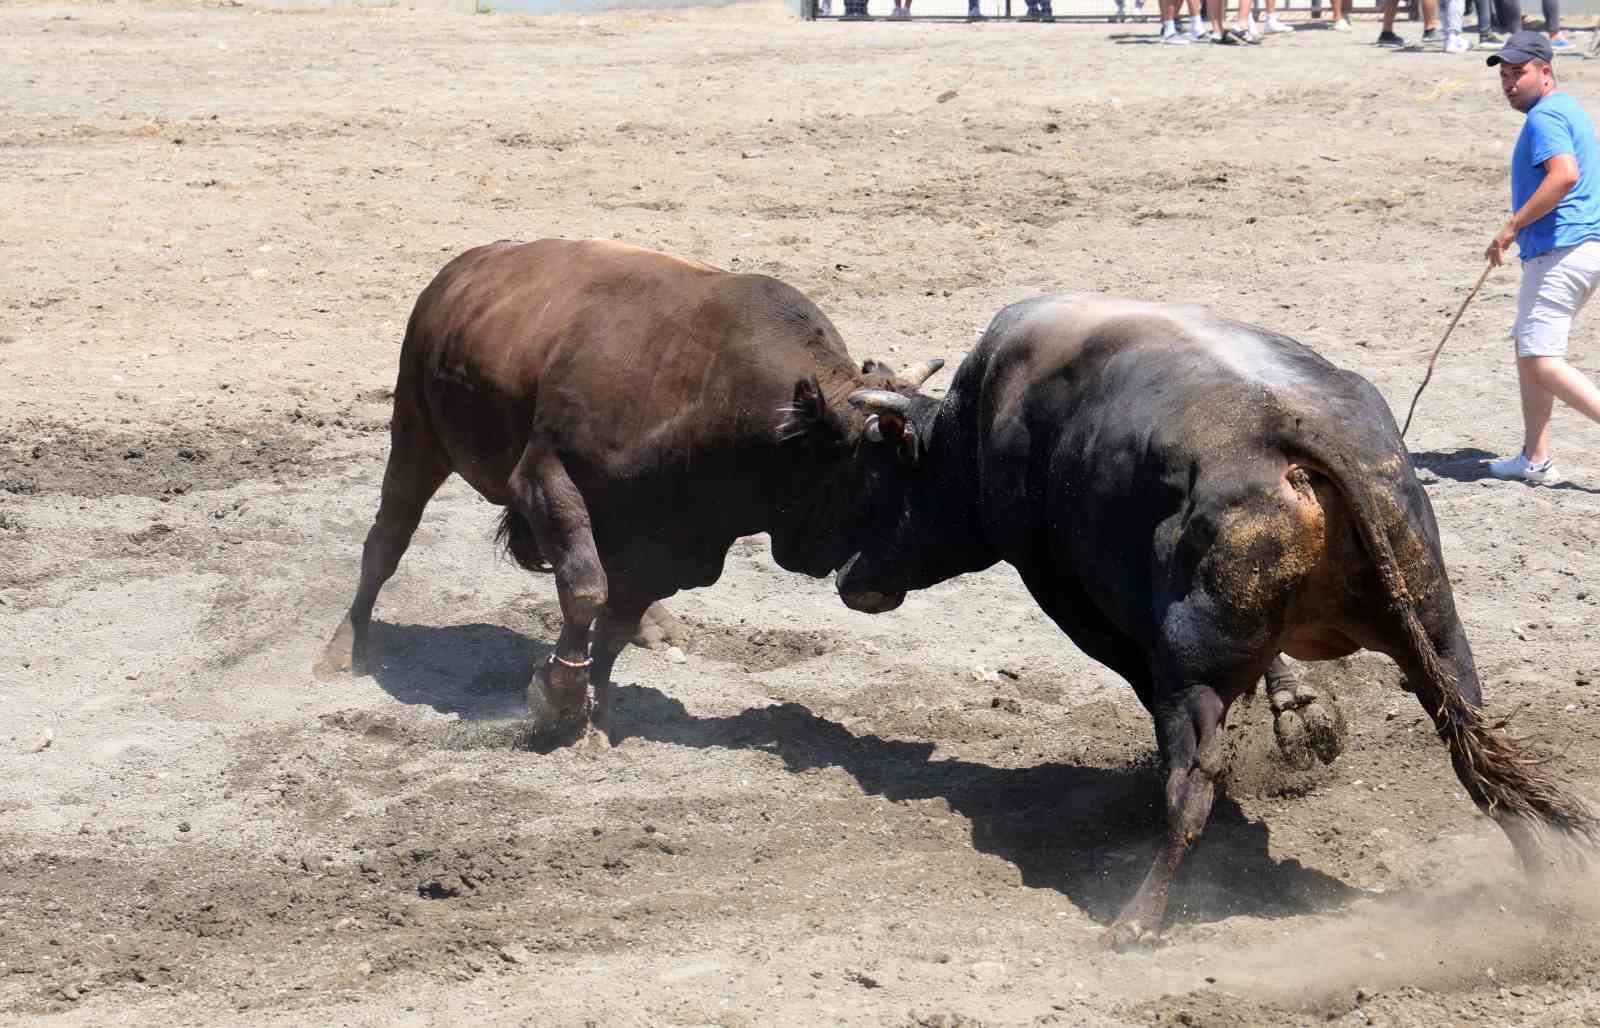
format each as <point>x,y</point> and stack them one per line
<point>635,414</point>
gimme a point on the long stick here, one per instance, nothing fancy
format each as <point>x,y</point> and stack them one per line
<point>1462,310</point>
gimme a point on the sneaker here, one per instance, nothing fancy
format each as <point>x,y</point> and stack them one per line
<point>1490,41</point>
<point>1341,25</point>
<point>1520,467</point>
<point>1456,43</point>
<point>1273,25</point>
<point>1390,39</point>
<point>1246,35</point>
<point>1562,45</point>
<point>1432,36</point>
<point>1177,39</point>
<point>1200,35</point>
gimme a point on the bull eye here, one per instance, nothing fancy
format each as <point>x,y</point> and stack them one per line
<point>874,433</point>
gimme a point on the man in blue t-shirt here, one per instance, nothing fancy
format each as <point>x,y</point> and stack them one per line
<point>1555,194</point>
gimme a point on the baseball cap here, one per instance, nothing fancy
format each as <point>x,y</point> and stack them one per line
<point>1525,45</point>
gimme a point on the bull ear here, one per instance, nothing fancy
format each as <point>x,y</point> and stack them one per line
<point>809,417</point>
<point>872,366</point>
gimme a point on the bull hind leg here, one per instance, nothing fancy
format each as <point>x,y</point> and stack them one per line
<point>618,624</point>
<point>414,472</point>
<point>545,496</point>
<point>1308,726</point>
<point>658,628</point>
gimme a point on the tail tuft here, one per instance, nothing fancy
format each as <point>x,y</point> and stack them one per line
<point>515,534</point>
<point>1514,788</point>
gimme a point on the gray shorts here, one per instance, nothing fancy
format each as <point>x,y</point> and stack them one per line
<point>1555,286</point>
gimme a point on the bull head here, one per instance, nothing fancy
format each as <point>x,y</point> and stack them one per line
<point>889,412</point>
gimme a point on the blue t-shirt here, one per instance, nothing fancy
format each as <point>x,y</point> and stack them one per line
<point>1557,125</point>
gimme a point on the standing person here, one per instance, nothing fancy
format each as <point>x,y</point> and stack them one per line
<point>1271,24</point>
<point>1387,36</point>
<point>1454,13</point>
<point>1496,18</point>
<point>1555,196</point>
<point>1221,33</point>
<point>1170,32</point>
<point>1552,27</point>
<point>1341,15</point>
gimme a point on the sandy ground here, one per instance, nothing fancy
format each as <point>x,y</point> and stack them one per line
<point>213,222</point>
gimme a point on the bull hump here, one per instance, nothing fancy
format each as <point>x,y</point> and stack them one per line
<point>1246,353</point>
<point>641,251</point>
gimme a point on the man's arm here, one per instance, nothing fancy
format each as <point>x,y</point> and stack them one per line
<point>1560,175</point>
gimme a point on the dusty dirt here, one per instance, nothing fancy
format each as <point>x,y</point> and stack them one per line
<point>213,221</point>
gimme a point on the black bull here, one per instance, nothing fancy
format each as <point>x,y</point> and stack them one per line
<point>1187,497</point>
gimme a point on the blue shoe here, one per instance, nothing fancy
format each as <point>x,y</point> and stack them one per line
<point>1563,45</point>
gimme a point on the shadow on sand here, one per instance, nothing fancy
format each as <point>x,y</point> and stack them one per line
<point>1087,832</point>
<point>1470,464</point>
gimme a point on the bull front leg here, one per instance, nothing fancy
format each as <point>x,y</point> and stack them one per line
<point>544,494</point>
<point>1189,729</point>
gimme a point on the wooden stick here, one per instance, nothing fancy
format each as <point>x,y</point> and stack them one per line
<point>1460,311</point>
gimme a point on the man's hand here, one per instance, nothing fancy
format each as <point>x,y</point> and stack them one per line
<point>1502,239</point>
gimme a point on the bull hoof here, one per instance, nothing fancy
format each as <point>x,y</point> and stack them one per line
<point>595,740</point>
<point>338,656</point>
<point>549,735</point>
<point>659,629</point>
<point>1307,729</point>
<point>1124,936</point>
<point>557,695</point>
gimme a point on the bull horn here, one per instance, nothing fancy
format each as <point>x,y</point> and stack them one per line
<point>881,400</point>
<point>924,371</point>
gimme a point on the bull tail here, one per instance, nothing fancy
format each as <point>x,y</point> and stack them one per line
<point>1507,781</point>
<point>515,535</point>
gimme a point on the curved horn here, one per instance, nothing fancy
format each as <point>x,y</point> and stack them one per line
<point>922,372</point>
<point>881,400</point>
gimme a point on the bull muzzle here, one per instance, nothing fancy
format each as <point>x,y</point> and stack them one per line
<point>872,602</point>
<point>868,601</point>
